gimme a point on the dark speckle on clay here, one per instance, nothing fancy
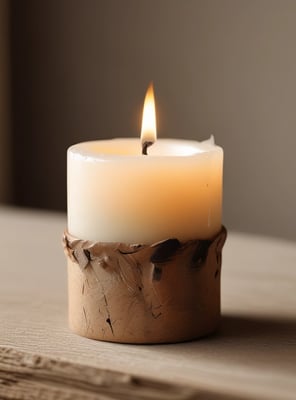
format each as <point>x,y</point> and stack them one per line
<point>164,251</point>
<point>200,253</point>
<point>157,272</point>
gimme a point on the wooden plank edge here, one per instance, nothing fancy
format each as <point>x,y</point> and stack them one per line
<point>27,376</point>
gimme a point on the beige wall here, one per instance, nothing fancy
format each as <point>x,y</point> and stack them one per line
<point>4,104</point>
<point>226,67</point>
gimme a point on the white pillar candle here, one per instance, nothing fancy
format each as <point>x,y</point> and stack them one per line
<point>116,194</point>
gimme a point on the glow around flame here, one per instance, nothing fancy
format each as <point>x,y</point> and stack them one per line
<point>148,131</point>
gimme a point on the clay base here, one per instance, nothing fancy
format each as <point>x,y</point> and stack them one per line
<point>163,293</point>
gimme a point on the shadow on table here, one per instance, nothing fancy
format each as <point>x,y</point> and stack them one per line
<point>250,340</point>
<point>262,329</point>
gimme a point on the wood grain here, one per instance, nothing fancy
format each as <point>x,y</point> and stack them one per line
<point>28,376</point>
<point>252,356</point>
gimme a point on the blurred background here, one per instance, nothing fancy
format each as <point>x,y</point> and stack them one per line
<point>74,70</point>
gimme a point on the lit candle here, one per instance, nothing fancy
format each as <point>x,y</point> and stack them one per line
<point>159,199</point>
<point>118,194</point>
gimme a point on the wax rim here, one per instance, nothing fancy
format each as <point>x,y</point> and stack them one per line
<point>192,149</point>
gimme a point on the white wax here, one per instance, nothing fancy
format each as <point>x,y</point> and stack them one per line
<point>116,194</point>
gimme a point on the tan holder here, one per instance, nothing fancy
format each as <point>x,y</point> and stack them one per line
<point>161,293</point>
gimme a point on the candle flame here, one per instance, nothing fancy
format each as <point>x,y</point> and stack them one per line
<point>148,131</point>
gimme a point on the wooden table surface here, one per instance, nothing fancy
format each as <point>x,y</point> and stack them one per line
<point>252,356</point>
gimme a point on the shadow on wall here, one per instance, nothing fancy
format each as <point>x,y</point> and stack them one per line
<point>4,104</point>
<point>224,67</point>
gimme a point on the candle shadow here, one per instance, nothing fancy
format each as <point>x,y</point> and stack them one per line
<point>259,328</point>
<point>245,339</point>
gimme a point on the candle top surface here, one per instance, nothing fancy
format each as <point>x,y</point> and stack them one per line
<point>104,150</point>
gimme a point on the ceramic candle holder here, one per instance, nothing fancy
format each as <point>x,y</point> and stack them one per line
<point>161,293</point>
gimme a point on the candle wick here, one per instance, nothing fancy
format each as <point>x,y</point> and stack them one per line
<point>145,146</point>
